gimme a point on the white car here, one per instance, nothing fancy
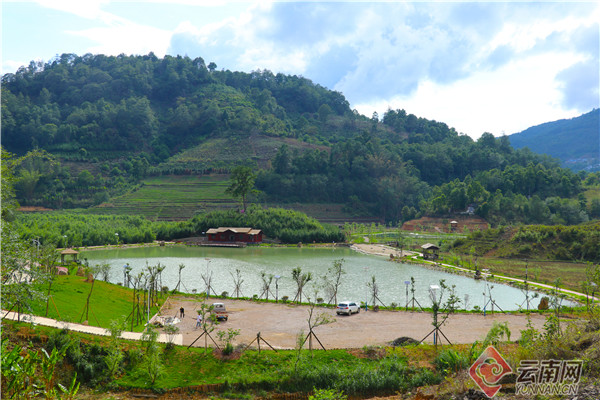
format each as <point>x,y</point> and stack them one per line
<point>347,307</point>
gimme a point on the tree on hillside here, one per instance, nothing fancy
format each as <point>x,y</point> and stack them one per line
<point>242,182</point>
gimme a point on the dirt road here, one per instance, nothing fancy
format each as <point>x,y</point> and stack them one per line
<point>279,324</point>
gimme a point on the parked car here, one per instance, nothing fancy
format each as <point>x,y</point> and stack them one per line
<point>219,311</point>
<point>347,307</point>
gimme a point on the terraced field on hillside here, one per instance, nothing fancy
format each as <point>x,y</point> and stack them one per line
<point>172,197</point>
<point>179,197</point>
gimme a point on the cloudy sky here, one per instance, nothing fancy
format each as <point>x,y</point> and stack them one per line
<point>477,66</point>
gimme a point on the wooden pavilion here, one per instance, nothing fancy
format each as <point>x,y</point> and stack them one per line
<point>430,251</point>
<point>68,252</point>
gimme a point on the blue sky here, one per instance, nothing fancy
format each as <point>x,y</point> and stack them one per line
<point>477,66</point>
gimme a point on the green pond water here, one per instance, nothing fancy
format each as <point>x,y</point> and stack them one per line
<point>219,264</point>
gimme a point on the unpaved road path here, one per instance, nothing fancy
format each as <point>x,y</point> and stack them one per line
<point>280,324</point>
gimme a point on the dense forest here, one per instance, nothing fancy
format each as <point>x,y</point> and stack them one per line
<point>95,126</point>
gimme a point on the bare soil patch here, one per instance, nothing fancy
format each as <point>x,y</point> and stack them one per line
<point>33,209</point>
<point>465,223</point>
<point>279,324</point>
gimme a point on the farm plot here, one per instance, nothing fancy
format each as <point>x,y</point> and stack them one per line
<point>172,197</point>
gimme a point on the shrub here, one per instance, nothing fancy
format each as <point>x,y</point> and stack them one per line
<point>133,357</point>
<point>327,394</point>
<point>228,337</point>
<point>450,361</point>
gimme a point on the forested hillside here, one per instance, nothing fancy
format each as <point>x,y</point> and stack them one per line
<point>96,126</point>
<point>575,141</point>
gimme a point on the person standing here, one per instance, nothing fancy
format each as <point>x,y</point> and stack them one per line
<point>181,313</point>
<point>199,321</point>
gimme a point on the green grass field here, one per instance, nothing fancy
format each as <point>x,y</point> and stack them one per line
<point>69,294</point>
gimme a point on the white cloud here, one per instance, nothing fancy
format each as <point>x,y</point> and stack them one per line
<point>477,66</point>
<point>112,34</point>
<point>508,100</point>
<point>126,38</point>
<point>90,9</point>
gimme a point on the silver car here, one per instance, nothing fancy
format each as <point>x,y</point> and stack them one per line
<point>347,307</point>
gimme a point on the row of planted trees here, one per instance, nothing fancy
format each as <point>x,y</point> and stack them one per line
<point>323,289</point>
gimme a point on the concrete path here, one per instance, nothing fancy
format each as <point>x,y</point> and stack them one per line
<point>94,330</point>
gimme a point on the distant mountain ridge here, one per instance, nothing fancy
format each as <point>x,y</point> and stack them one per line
<point>575,141</point>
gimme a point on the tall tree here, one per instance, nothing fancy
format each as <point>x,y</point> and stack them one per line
<point>19,261</point>
<point>242,182</point>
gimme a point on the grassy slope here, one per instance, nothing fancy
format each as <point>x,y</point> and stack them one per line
<point>503,252</point>
<point>108,302</point>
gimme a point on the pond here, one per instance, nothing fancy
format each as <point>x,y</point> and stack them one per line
<point>220,264</point>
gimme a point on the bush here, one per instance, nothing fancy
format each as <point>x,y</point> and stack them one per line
<point>450,361</point>
<point>133,357</point>
<point>327,394</point>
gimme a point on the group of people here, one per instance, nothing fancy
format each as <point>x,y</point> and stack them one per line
<point>198,318</point>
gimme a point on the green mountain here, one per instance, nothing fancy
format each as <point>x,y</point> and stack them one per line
<point>99,130</point>
<point>575,141</point>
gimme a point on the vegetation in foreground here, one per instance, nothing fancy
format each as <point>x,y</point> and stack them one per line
<point>108,363</point>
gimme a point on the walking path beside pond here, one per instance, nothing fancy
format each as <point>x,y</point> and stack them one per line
<point>383,250</point>
<point>94,330</point>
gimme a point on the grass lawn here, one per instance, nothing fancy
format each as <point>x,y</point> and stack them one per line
<point>108,302</point>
